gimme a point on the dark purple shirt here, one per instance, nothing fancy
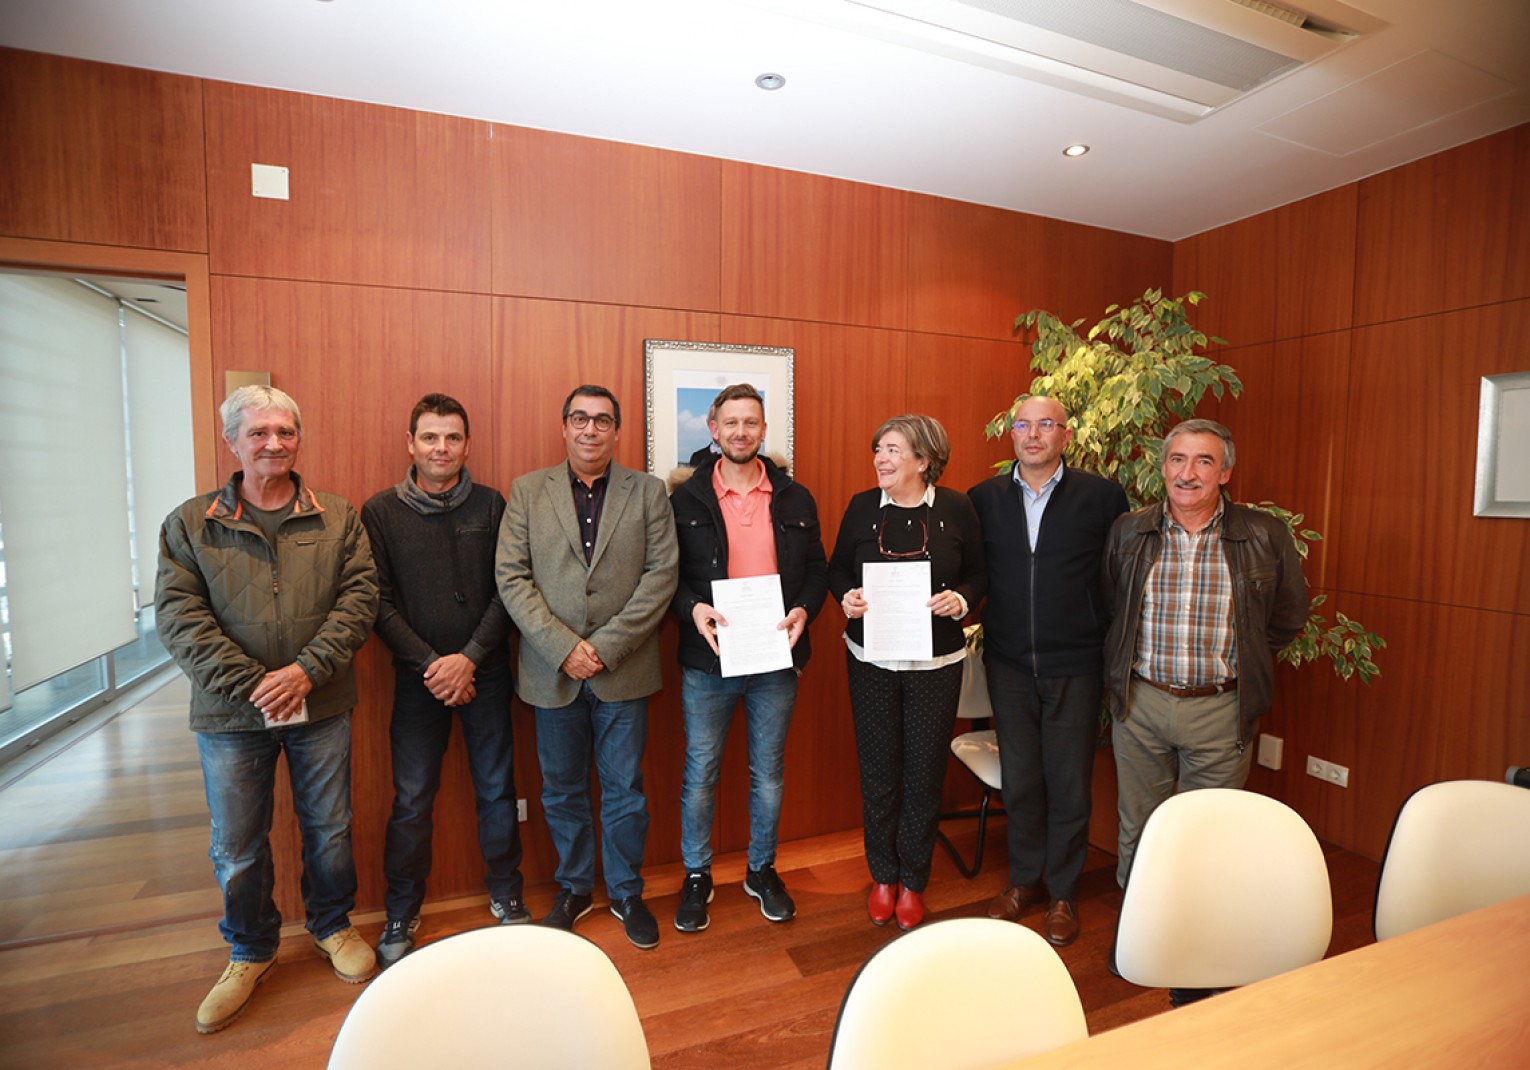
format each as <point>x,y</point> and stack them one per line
<point>588,502</point>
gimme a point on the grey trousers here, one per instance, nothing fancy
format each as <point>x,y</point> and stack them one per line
<point>1164,741</point>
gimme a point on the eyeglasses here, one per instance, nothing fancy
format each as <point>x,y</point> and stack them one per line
<point>1046,427</point>
<point>579,420</point>
<point>924,547</point>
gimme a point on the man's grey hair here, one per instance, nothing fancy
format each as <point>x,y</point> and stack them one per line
<point>255,396</point>
<point>1202,427</point>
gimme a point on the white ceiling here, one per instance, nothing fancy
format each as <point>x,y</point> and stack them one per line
<point>859,103</point>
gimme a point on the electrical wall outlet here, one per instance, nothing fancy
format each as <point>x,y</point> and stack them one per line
<point>520,810</point>
<point>1270,750</point>
<point>1332,772</point>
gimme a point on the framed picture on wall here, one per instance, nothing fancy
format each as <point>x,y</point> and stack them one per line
<point>682,378</point>
<point>1503,446</point>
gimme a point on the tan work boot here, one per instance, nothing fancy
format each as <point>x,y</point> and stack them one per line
<point>350,955</point>
<point>230,994</point>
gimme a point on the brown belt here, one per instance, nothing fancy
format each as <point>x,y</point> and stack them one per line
<point>1191,692</point>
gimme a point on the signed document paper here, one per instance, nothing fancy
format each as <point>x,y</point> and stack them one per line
<point>898,622</point>
<point>751,642</point>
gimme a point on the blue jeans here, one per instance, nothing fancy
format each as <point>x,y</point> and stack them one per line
<point>709,702</point>
<point>418,734</point>
<point>616,732</point>
<point>239,771</point>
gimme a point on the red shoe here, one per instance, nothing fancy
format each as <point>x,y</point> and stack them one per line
<point>880,905</point>
<point>910,909</point>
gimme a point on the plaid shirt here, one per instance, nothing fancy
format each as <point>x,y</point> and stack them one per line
<point>1187,636</point>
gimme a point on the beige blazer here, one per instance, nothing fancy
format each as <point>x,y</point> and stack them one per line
<point>615,602</point>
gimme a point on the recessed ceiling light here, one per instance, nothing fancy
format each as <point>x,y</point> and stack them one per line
<point>770,81</point>
<point>1075,150</point>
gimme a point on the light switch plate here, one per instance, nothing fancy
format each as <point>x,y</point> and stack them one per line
<point>268,181</point>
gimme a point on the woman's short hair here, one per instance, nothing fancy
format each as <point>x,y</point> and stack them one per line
<point>927,438</point>
<point>255,396</point>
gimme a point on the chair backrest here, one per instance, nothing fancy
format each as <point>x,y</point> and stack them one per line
<point>1227,887</point>
<point>968,992</point>
<point>520,995</point>
<point>1456,846</point>
<point>974,704</point>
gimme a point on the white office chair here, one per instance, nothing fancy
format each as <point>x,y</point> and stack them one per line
<point>968,992</point>
<point>977,751</point>
<point>522,996</point>
<point>1227,888</point>
<point>1456,846</point>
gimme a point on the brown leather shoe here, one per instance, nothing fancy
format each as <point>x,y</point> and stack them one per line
<point>910,909</point>
<point>880,905</point>
<point>1061,925</point>
<point>1009,905</point>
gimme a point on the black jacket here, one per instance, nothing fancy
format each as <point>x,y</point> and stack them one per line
<point>1044,613</point>
<point>704,554</point>
<point>436,573</point>
<point>956,557</point>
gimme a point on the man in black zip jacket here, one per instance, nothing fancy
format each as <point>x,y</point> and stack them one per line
<point>1044,530</point>
<point>737,515</point>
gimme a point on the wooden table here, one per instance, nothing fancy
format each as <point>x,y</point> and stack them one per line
<point>1453,994</point>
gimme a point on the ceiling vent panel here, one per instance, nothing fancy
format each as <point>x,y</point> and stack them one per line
<point>1181,59</point>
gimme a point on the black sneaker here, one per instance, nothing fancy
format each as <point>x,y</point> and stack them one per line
<point>510,910</point>
<point>695,894</point>
<point>397,940</point>
<point>569,908</point>
<point>638,920</point>
<point>765,886</point>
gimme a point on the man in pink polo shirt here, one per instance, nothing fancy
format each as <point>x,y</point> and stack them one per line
<point>739,514</point>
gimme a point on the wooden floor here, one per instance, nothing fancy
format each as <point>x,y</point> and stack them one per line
<point>108,934</point>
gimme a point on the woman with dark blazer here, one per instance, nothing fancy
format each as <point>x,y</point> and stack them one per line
<point>904,711</point>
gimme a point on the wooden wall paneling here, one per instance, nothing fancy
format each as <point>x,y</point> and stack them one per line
<point>99,153</point>
<point>357,358</point>
<point>972,269</point>
<point>805,247</point>
<point>963,382</point>
<point>1282,274</point>
<point>1450,231</point>
<point>1235,266</point>
<point>1406,512</point>
<point>848,380</point>
<point>381,196</point>
<point>1429,717</point>
<point>588,220</point>
<point>1289,429</point>
<point>1092,268</point>
<point>543,349</point>
<point>1315,266</point>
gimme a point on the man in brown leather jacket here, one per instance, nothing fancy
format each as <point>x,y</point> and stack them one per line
<point>1203,594</point>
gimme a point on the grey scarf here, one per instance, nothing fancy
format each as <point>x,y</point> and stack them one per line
<point>426,503</point>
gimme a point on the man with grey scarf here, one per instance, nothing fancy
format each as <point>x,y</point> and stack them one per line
<point>433,536</point>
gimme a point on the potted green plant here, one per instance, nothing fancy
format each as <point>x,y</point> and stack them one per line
<point>1126,382</point>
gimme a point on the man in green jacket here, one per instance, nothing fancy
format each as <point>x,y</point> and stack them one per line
<point>266,591</point>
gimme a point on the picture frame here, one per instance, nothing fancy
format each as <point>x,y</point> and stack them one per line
<point>682,378</point>
<point>1503,446</point>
